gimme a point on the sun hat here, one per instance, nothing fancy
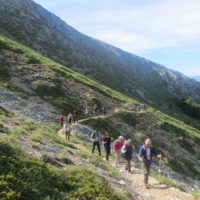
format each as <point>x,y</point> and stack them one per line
<point>121,137</point>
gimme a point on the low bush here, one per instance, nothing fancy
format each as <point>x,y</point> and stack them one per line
<point>22,177</point>
<point>189,108</point>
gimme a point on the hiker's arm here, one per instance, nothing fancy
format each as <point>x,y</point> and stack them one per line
<point>141,156</point>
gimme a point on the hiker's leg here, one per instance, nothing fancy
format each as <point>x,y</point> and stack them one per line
<point>107,153</point>
<point>146,173</point>
<point>69,136</point>
<point>126,164</point>
<point>99,149</point>
<point>116,157</point>
<point>93,146</point>
<point>66,135</point>
<point>129,166</point>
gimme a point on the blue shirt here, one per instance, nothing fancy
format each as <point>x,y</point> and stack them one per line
<point>143,154</point>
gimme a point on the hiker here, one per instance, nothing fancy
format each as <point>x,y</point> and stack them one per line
<point>75,116</point>
<point>117,146</point>
<point>103,109</point>
<point>146,153</point>
<point>69,118</point>
<point>86,112</point>
<point>95,109</point>
<point>127,151</point>
<point>107,142</point>
<point>61,120</point>
<point>67,131</point>
<point>96,142</point>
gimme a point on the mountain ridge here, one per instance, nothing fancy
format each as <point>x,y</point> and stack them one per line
<point>125,72</point>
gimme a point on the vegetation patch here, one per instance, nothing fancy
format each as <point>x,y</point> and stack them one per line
<point>22,177</point>
<point>29,59</point>
<point>166,181</point>
<point>48,88</point>
<point>186,145</point>
<point>4,74</point>
<point>174,129</point>
<point>189,107</point>
<point>184,167</point>
<point>102,124</point>
<point>127,117</point>
<point>11,46</point>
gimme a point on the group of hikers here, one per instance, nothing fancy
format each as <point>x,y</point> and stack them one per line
<point>124,149</point>
<point>72,117</point>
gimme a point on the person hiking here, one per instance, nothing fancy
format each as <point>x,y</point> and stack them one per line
<point>107,142</point>
<point>103,109</point>
<point>75,116</point>
<point>146,152</point>
<point>61,120</point>
<point>127,151</point>
<point>117,146</point>
<point>69,118</point>
<point>96,142</point>
<point>67,131</point>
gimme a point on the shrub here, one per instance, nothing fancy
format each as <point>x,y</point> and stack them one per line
<point>4,74</point>
<point>22,177</point>
<point>189,108</point>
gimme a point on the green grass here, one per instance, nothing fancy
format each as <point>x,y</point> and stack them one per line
<point>196,195</point>
<point>189,108</point>
<point>166,181</point>
<point>22,177</point>
<point>177,127</point>
<point>102,124</point>
<point>34,58</point>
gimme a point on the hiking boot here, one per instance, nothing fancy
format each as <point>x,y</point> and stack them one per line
<point>147,186</point>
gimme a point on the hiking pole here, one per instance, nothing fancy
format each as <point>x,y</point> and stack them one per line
<point>160,158</point>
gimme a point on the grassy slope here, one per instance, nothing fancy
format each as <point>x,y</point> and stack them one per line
<point>179,144</point>
<point>34,57</point>
<point>23,177</point>
<point>167,123</point>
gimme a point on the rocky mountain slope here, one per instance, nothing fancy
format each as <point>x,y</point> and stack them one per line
<point>35,86</point>
<point>31,84</point>
<point>137,77</point>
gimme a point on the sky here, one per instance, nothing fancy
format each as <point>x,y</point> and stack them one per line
<point>164,31</point>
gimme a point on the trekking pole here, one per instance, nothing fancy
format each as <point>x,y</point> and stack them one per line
<point>160,158</point>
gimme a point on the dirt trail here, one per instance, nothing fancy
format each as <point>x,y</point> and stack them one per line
<point>156,191</point>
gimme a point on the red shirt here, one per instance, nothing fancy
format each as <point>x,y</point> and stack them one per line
<point>118,145</point>
<point>61,119</point>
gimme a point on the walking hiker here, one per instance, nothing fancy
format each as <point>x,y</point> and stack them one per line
<point>61,120</point>
<point>75,116</point>
<point>127,151</point>
<point>67,131</point>
<point>107,142</point>
<point>96,142</point>
<point>103,109</point>
<point>69,118</point>
<point>146,153</point>
<point>117,146</point>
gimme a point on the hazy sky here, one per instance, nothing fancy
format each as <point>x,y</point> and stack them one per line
<point>164,31</point>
